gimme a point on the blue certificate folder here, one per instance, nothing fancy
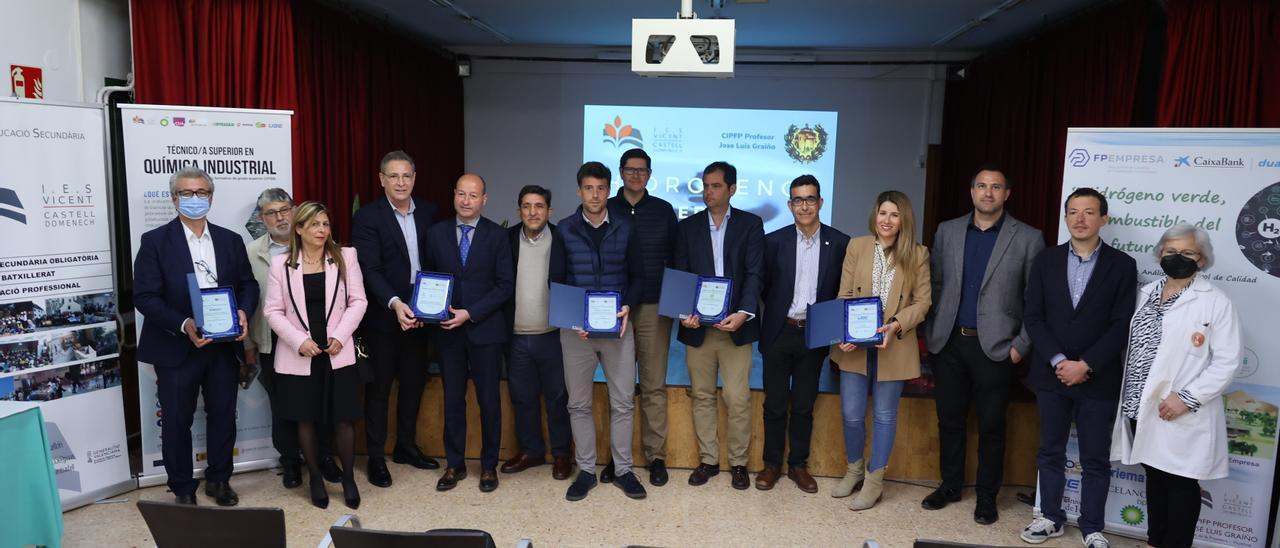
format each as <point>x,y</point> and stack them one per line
<point>680,293</point>
<point>427,288</point>
<point>226,329</point>
<point>568,310</point>
<point>826,323</point>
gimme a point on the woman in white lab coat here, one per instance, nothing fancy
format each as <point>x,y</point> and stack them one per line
<point>1184,348</point>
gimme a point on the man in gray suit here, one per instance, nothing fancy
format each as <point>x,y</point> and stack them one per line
<point>979,265</point>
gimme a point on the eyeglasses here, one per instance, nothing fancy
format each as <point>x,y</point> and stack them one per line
<point>629,171</point>
<point>203,267</point>
<point>193,193</point>
<point>804,200</point>
<point>279,213</point>
<point>397,177</point>
<point>1193,255</point>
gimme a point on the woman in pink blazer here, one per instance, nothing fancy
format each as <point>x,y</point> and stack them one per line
<point>315,300</point>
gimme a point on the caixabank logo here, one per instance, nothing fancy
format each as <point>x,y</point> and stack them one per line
<point>11,206</point>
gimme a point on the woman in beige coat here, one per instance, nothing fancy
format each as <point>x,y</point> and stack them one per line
<point>889,264</point>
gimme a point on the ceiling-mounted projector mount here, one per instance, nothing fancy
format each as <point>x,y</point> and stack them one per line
<point>684,46</point>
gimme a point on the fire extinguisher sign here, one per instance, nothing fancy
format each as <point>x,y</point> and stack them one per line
<point>26,82</point>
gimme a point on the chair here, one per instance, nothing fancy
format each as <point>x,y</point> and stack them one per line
<point>341,536</point>
<point>925,543</point>
<point>180,525</point>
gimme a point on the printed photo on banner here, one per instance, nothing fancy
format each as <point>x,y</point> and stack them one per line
<point>56,348</point>
<point>63,382</point>
<point>55,313</point>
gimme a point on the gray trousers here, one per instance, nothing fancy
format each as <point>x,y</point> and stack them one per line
<point>618,357</point>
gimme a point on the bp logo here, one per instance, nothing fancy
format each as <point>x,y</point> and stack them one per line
<point>1132,515</point>
<point>806,144</point>
<point>1258,230</point>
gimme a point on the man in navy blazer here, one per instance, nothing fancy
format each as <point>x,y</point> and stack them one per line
<point>1079,300</point>
<point>187,363</point>
<point>390,237</point>
<point>802,265</point>
<point>727,242</point>
<point>477,253</point>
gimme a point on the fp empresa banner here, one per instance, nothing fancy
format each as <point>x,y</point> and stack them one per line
<point>246,151</point>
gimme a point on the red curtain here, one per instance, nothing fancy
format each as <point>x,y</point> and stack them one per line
<point>212,53</point>
<point>1221,64</point>
<point>1014,108</point>
<point>357,92</point>
<point>363,93</point>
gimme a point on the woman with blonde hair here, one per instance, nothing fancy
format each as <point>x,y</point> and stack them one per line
<point>315,300</point>
<point>891,265</point>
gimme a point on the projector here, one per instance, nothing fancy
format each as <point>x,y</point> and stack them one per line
<point>699,48</point>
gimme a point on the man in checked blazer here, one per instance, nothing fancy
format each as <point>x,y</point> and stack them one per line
<point>979,266</point>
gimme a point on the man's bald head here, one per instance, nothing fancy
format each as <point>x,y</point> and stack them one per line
<point>469,196</point>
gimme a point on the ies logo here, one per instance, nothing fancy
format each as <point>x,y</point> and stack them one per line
<point>805,144</point>
<point>11,206</point>
<point>618,134</point>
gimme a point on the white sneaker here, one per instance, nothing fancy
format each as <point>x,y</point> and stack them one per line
<point>1096,540</point>
<point>1040,530</point>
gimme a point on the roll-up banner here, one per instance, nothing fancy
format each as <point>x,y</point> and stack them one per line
<point>59,338</point>
<point>1226,181</point>
<point>246,151</point>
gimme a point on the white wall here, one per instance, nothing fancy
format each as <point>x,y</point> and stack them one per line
<point>75,42</point>
<point>524,122</point>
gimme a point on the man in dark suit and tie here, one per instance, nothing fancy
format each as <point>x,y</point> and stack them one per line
<point>390,237</point>
<point>979,267</point>
<point>725,242</point>
<point>1079,300</point>
<point>187,364</point>
<point>477,253</point>
<point>802,265</point>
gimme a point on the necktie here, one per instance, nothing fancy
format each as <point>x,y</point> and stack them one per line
<point>464,245</point>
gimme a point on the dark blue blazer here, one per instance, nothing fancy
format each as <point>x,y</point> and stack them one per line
<point>780,275</point>
<point>384,257</point>
<point>484,286</point>
<point>743,263</point>
<point>1096,331</point>
<point>160,289</point>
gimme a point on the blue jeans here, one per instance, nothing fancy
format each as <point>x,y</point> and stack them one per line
<point>853,406</point>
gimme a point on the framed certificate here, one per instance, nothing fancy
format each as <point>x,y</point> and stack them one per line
<point>862,317</point>
<point>218,317</point>
<point>432,293</point>
<point>711,300</point>
<point>602,308</point>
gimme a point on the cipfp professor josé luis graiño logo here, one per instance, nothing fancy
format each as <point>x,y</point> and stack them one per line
<point>805,144</point>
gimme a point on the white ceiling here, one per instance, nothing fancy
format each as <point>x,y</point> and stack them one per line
<point>876,25</point>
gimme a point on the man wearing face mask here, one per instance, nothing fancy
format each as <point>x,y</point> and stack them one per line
<point>187,363</point>
<point>275,210</point>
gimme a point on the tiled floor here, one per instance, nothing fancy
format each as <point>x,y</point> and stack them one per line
<point>531,505</point>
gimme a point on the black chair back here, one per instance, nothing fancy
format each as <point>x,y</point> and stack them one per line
<point>344,537</point>
<point>180,525</point>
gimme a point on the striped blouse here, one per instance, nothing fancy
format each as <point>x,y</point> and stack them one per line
<point>1144,340</point>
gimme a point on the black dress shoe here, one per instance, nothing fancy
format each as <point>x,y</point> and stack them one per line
<point>985,511</point>
<point>580,487</point>
<point>630,485</point>
<point>351,494</point>
<point>189,499</point>
<point>940,498</point>
<point>658,473</point>
<point>451,478</point>
<point>739,476</point>
<point>222,493</point>
<point>291,475</point>
<point>319,496</point>
<point>703,473</point>
<point>488,481</point>
<point>414,457</point>
<point>378,473</point>
<point>607,475</point>
<point>330,470</point>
